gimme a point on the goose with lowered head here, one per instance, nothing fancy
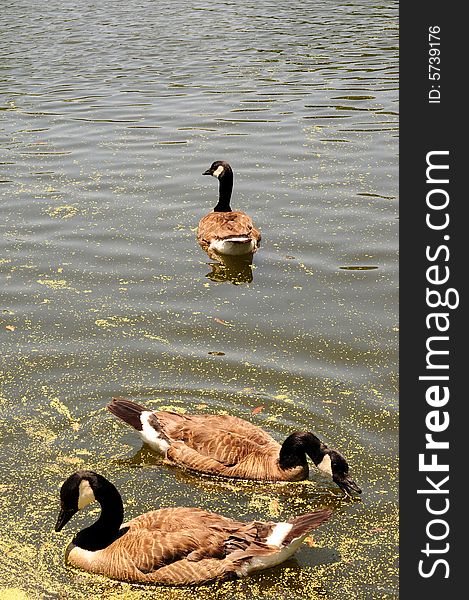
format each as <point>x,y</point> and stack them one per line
<point>232,447</point>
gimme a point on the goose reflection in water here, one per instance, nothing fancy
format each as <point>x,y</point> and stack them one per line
<point>231,269</point>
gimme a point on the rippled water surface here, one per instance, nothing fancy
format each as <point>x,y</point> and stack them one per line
<point>110,112</point>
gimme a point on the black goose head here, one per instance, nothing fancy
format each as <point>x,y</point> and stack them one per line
<point>223,172</point>
<point>219,169</point>
<point>330,462</point>
<point>83,488</point>
<point>77,491</point>
<point>339,469</point>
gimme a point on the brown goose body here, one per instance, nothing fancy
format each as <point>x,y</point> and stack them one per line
<point>173,546</point>
<point>229,446</point>
<point>228,233</point>
<point>225,231</point>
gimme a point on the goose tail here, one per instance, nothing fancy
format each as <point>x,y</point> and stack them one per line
<point>303,524</point>
<point>275,544</point>
<point>128,411</point>
<point>234,245</point>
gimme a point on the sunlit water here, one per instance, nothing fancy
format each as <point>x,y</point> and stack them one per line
<point>111,111</point>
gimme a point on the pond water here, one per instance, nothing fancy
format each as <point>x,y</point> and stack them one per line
<point>111,111</point>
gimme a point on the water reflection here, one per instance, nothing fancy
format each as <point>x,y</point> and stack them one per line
<point>231,269</point>
<point>310,494</point>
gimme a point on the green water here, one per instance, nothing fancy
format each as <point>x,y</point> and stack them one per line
<point>110,113</point>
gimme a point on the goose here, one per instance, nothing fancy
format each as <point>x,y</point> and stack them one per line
<point>172,546</point>
<point>232,447</point>
<point>225,231</point>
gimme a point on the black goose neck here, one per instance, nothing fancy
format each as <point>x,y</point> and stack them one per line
<point>107,528</point>
<point>296,446</point>
<point>225,187</point>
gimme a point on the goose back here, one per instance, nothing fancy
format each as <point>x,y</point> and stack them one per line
<point>225,445</point>
<point>223,226</point>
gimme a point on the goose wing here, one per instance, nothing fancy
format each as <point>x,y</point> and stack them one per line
<point>223,439</point>
<point>180,546</point>
<point>157,545</point>
<point>220,225</point>
<point>240,549</point>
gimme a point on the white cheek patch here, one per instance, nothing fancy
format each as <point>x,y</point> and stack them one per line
<point>218,171</point>
<point>85,494</point>
<point>325,465</point>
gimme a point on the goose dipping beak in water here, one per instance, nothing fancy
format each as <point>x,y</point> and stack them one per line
<point>232,447</point>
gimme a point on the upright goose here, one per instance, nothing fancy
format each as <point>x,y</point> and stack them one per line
<point>225,231</point>
<point>231,447</point>
<point>172,546</point>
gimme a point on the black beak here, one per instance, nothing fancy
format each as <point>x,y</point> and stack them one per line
<point>64,517</point>
<point>349,486</point>
<point>207,172</point>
